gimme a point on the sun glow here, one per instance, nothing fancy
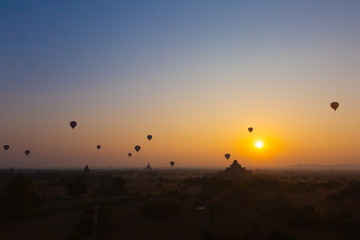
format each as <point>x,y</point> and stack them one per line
<point>259,144</point>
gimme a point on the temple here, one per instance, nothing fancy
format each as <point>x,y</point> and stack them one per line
<point>236,169</point>
<point>148,167</point>
<point>86,170</point>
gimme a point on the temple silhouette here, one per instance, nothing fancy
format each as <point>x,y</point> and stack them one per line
<point>235,169</point>
<point>86,170</point>
<point>148,167</point>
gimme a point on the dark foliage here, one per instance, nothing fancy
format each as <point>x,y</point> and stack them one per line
<point>19,198</point>
<point>77,187</point>
<point>111,186</point>
<point>161,209</point>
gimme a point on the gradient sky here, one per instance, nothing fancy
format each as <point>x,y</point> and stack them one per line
<point>194,74</point>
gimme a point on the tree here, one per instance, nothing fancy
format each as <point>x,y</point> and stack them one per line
<point>118,185</point>
<point>77,187</point>
<point>19,197</point>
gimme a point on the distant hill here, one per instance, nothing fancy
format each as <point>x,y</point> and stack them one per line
<point>326,167</point>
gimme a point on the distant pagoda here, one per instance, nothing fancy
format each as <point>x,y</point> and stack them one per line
<point>148,167</point>
<point>86,169</point>
<point>236,169</point>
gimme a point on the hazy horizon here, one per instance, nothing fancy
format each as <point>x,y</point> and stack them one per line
<point>195,75</point>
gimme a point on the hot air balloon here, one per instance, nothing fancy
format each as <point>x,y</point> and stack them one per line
<point>73,124</point>
<point>149,137</point>
<point>137,148</point>
<point>334,105</point>
<point>6,147</point>
<point>27,152</point>
<point>172,163</point>
<point>250,129</point>
<point>227,156</point>
<point>98,147</point>
<point>129,154</point>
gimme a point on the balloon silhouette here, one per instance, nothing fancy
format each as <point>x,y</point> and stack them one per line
<point>149,137</point>
<point>250,129</point>
<point>137,148</point>
<point>172,163</point>
<point>6,147</point>
<point>27,152</point>
<point>227,156</point>
<point>98,147</point>
<point>129,154</point>
<point>334,105</point>
<point>73,124</point>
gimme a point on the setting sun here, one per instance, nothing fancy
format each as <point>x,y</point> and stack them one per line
<point>259,144</point>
